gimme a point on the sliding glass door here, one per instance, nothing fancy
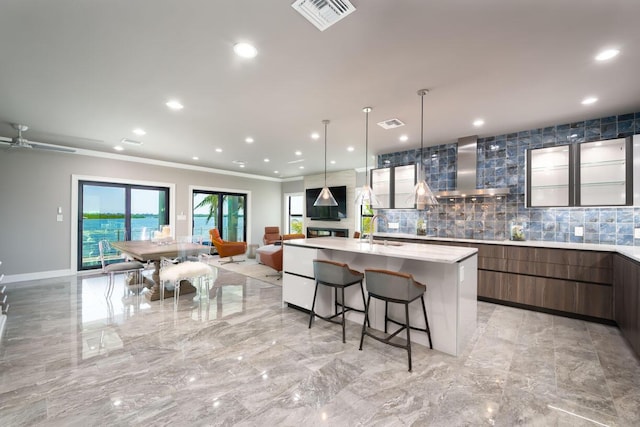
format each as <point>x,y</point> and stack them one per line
<point>224,211</point>
<point>114,212</point>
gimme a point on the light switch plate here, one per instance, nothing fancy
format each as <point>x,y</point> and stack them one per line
<point>636,233</point>
<point>181,217</point>
<point>394,225</point>
<point>578,231</point>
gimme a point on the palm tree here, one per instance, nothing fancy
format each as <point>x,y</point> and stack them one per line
<point>234,205</point>
<point>210,200</point>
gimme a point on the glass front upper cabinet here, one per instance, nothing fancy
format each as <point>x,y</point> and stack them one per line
<point>393,186</point>
<point>381,186</point>
<point>549,175</point>
<point>605,172</point>
<point>404,179</point>
<point>598,173</point>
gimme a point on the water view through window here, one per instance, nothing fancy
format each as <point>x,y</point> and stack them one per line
<point>117,212</point>
<point>224,211</point>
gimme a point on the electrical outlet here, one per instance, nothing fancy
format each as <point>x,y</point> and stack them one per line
<point>578,231</point>
<point>636,233</point>
<point>394,225</point>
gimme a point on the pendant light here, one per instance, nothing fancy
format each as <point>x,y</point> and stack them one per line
<point>325,198</point>
<point>366,196</point>
<point>422,195</point>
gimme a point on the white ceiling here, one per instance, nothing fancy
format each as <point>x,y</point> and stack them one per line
<point>85,73</point>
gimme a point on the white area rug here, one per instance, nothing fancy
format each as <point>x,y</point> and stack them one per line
<point>250,268</point>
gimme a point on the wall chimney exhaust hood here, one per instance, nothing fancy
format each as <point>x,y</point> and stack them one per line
<point>466,173</point>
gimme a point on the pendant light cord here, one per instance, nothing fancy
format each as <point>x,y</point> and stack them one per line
<point>422,93</point>
<point>421,129</point>
<point>325,122</point>
<point>366,148</point>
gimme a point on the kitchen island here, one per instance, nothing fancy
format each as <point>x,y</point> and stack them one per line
<point>449,272</point>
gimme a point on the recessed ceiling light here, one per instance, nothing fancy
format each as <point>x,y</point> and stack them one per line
<point>118,148</point>
<point>404,138</point>
<point>350,149</point>
<point>607,54</point>
<point>174,105</point>
<point>333,162</point>
<point>315,135</point>
<point>196,158</point>
<point>266,160</point>
<point>241,166</point>
<point>240,163</point>
<point>298,153</point>
<point>139,131</point>
<point>245,50</point>
<point>301,167</point>
<point>590,100</point>
<point>276,172</point>
<point>248,140</point>
<point>478,122</point>
<point>218,150</point>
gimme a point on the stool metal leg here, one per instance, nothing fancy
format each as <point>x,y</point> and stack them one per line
<point>364,303</point>
<point>386,315</point>
<point>426,321</point>
<point>313,305</point>
<point>406,313</point>
<point>344,340</point>
<point>366,320</point>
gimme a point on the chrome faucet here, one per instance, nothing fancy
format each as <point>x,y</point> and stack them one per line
<point>373,226</point>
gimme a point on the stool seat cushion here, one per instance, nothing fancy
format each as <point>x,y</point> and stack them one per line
<point>392,284</point>
<point>123,266</point>
<point>185,270</point>
<point>335,273</point>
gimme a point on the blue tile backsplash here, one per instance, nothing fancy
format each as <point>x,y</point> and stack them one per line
<point>501,164</point>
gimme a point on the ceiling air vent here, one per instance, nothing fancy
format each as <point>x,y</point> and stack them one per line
<point>323,13</point>
<point>390,124</point>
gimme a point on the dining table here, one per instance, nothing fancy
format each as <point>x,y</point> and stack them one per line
<point>154,251</point>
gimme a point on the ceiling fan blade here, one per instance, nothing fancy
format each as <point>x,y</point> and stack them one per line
<point>51,147</point>
<point>4,139</point>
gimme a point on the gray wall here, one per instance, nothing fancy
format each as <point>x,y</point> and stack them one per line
<point>33,183</point>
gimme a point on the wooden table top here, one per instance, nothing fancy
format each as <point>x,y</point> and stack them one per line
<point>146,250</point>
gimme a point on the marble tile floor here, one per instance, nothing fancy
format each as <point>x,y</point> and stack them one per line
<point>237,357</point>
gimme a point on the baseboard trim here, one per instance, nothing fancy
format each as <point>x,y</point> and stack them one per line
<point>550,311</point>
<point>14,278</point>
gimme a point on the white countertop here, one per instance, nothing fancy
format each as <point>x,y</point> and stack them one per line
<point>417,251</point>
<point>632,252</point>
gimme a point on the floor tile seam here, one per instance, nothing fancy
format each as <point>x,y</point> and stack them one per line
<point>577,403</point>
<point>606,379</point>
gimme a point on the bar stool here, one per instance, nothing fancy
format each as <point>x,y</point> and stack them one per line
<point>336,275</point>
<point>400,288</point>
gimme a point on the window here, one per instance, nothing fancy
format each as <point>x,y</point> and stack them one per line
<point>295,213</point>
<point>221,210</point>
<point>115,212</point>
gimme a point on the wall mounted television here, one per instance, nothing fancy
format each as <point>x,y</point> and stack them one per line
<point>327,213</point>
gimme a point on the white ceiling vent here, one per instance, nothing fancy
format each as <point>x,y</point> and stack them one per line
<point>323,13</point>
<point>390,124</point>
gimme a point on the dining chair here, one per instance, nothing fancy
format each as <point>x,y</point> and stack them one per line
<point>127,267</point>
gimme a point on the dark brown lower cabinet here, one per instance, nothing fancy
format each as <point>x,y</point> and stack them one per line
<point>586,299</point>
<point>626,285</point>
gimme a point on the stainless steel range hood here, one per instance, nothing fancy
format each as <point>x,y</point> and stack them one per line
<point>466,173</point>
